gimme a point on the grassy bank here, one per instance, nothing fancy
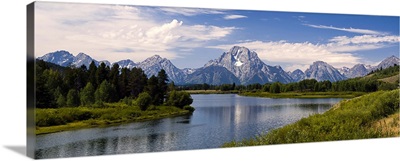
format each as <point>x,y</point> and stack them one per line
<point>372,115</point>
<point>304,94</point>
<point>62,119</point>
<point>211,91</point>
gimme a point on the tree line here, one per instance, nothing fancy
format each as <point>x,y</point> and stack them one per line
<point>58,86</point>
<point>366,84</point>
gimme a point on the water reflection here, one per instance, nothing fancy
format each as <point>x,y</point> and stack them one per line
<point>217,119</point>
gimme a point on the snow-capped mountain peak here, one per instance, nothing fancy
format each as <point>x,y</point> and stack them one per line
<point>357,70</point>
<point>248,67</point>
<point>152,65</point>
<point>388,62</point>
<point>344,70</point>
<point>297,75</point>
<point>61,57</point>
<point>83,59</point>
<point>126,64</point>
<point>360,70</point>
<point>188,71</point>
<point>238,64</point>
<point>321,71</point>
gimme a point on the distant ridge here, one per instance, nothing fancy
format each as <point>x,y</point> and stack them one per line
<point>238,65</point>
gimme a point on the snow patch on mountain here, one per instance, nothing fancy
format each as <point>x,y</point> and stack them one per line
<point>321,71</point>
<point>248,67</point>
<point>126,64</point>
<point>388,62</point>
<point>151,66</point>
<point>297,75</point>
<point>61,57</point>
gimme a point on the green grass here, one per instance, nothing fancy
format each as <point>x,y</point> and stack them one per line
<point>62,119</point>
<point>357,118</point>
<point>304,94</point>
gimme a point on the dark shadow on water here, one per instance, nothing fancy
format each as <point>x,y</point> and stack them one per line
<point>18,149</point>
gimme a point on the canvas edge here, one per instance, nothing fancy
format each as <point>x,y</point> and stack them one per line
<point>30,82</point>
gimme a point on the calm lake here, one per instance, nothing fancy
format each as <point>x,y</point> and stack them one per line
<point>218,119</point>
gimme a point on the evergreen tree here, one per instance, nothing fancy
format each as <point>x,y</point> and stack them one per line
<point>316,87</point>
<point>153,90</point>
<point>123,86</point>
<point>137,82</point>
<point>275,88</point>
<point>61,102</point>
<point>53,81</point>
<point>205,86</point>
<point>81,77</point>
<point>59,97</point>
<point>105,92</point>
<point>72,98</point>
<point>44,98</point>
<point>266,87</point>
<point>92,74</point>
<point>87,95</point>
<point>171,86</point>
<point>70,79</point>
<point>162,85</point>
<point>101,73</point>
<point>114,80</point>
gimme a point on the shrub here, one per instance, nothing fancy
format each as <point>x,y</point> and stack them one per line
<point>143,101</point>
<point>61,102</point>
<point>128,101</point>
<point>135,114</point>
<point>48,118</point>
<point>179,99</point>
<point>152,108</point>
<point>189,108</point>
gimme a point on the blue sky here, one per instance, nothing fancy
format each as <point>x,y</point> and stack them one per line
<point>190,37</point>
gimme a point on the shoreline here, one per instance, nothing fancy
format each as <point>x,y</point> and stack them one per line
<point>373,115</point>
<point>95,123</point>
<point>211,92</point>
<point>303,94</point>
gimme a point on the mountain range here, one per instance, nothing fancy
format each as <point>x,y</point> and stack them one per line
<point>239,65</point>
<point>248,67</point>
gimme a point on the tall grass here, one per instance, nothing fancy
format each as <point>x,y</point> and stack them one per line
<point>60,119</point>
<point>350,119</point>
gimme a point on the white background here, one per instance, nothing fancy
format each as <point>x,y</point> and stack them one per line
<point>13,86</point>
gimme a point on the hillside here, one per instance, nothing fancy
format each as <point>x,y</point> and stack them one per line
<point>358,118</point>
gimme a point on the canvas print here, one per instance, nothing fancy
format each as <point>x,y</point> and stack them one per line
<point>117,79</point>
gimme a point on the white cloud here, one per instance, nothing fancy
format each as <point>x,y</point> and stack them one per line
<point>365,39</point>
<point>360,43</point>
<point>336,52</point>
<point>204,33</point>
<point>231,17</point>
<point>353,30</point>
<point>334,47</point>
<point>190,11</point>
<point>115,32</point>
<point>301,54</point>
